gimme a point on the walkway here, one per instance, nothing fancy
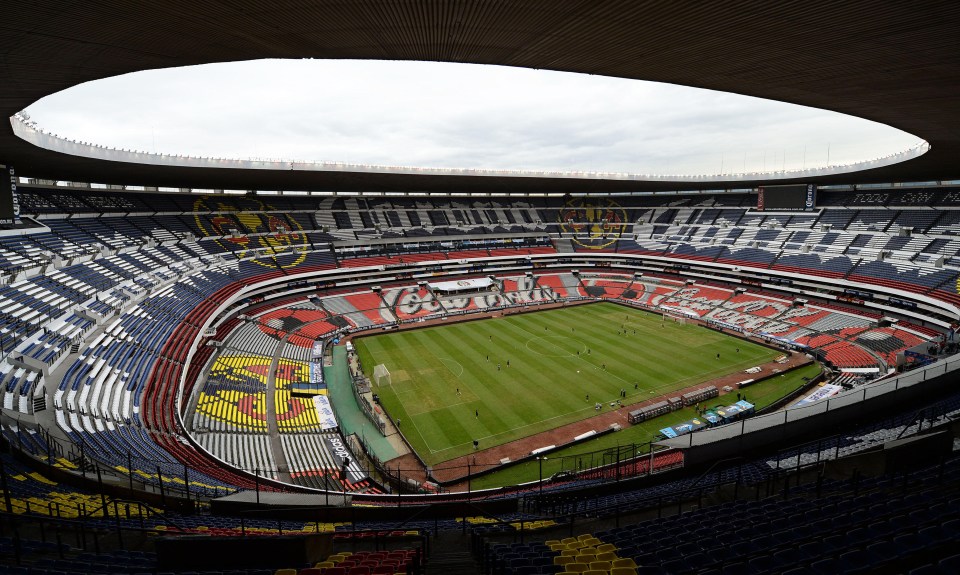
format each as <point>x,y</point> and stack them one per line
<point>273,430</point>
<point>351,418</point>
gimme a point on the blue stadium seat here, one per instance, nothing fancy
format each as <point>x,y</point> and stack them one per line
<point>950,564</point>
<point>760,564</point>
<point>827,566</point>
<point>788,558</point>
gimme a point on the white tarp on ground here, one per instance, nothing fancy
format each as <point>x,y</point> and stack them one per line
<point>471,284</point>
<point>324,412</point>
<point>824,391</point>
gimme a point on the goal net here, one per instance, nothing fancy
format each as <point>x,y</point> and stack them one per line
<point>381,375</point>
<point>676,318</point>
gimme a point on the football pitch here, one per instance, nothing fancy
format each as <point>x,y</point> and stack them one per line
<point>500,379</point>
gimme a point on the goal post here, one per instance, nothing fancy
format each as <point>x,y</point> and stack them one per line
<point>381,375</point>
<point>674,317</point>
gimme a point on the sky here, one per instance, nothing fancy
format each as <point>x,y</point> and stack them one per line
<point>429,114</point>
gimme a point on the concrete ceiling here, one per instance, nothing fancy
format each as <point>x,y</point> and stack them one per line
<point>894,62</point>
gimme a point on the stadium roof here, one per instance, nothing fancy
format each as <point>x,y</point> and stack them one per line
<point>894,62</point>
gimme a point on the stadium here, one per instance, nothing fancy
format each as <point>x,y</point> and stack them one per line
<point>252,367</point>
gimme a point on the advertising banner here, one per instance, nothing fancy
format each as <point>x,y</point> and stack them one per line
<point>471,284</point>
<point>824,391</point>
<point>735,411</point>
<point>324,412</point>
<point>339,450</point>
<point>685,427</point>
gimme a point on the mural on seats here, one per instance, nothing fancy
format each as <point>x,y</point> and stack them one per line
<point>596,223</point>
<point>235,392</point>
<point>259,232</point>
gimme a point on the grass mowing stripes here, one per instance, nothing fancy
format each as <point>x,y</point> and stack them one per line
<point>760,394</point>
<point>550,362</point>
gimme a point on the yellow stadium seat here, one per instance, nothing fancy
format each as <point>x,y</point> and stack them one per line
<point>37,477</point>
<point>563,559</point>
<point>586,557</point>
<point>595,572</point>
<point>324,564</point>
<point>285,572</point>
<point>625,562</point>
<point>550,542</point>
<point>570,552</point>
<point>568,540</point>
<point>606,547</point>
<point>599,565</point>
<point>607,556</point>
<point>575,567</point>
<point>623,571</point>
<point>592,542</point>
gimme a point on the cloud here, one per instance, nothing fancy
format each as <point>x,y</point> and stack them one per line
<point>454,115</point>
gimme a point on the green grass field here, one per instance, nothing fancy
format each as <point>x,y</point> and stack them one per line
<point>556,359</point>
<point>582,455</point>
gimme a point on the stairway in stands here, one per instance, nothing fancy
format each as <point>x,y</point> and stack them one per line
<point>563,245</point>
<point>450,555</point>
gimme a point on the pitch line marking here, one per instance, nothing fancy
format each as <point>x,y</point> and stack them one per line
<point>511,430</point>
<point>580,357</point>
<point>444,361</point>
<point>546,340</point>
<point>432,451</point>
<point>660,389</point>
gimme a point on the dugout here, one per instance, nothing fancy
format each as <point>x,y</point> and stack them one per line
<point>701,394</point>
<point>649,412</point>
